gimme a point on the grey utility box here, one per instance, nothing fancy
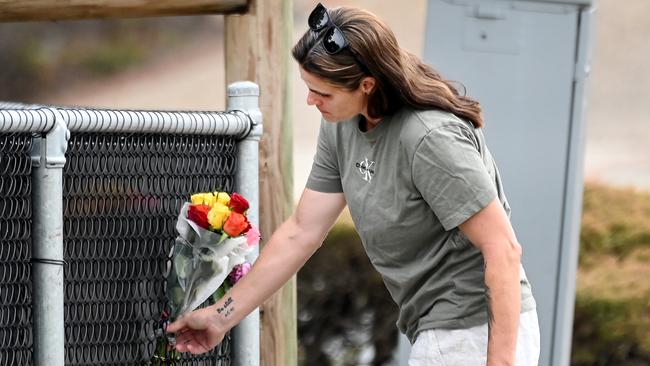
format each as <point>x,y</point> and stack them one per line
<point>527,63</point>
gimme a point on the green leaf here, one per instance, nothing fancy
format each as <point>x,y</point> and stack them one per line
<point>163,355</point>
<point>221,292</point>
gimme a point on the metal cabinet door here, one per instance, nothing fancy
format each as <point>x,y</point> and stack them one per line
<point>519,60</point>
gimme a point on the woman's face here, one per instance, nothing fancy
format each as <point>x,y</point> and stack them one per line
<point>335,103</point>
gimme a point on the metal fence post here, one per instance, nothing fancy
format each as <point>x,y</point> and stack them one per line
<point>244,96</point>
<point>48,159</point>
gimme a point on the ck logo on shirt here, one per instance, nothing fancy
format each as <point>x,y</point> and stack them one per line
<point>366,169</point>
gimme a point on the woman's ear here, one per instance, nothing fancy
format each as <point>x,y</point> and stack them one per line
<point>368,85</point>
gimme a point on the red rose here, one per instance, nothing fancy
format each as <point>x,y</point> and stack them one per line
<point>238,203</point>
<point>236,224</point>
<point>199,214</point>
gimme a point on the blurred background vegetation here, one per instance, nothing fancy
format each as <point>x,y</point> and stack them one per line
<point>345,316</point>
<point>38,58</point>
<point>612,311</point>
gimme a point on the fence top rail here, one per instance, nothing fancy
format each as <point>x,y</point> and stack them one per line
<point>16,117</point>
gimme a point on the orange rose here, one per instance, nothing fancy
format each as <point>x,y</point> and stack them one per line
<point>236,224</point>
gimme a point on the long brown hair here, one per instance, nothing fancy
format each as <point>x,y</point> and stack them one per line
<point>401,77</point>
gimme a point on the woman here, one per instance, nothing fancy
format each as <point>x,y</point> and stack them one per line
<point>406,153</point>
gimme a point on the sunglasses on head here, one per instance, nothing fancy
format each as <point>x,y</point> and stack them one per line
<point>333,39</point>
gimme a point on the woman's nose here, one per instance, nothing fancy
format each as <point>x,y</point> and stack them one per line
<point>313,100</point>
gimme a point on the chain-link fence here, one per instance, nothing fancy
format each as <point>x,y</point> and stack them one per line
<point>121,196</point>
<point>15,251</point>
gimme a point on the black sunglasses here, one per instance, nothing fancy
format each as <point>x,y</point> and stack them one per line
<point>333,39</point>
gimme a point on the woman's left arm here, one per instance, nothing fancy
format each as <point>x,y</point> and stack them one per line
<point>490,231</point>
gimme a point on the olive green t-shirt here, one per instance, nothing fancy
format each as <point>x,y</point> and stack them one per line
<point>409,183</point>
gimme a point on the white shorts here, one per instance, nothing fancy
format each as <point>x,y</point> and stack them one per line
<point>465,347</point>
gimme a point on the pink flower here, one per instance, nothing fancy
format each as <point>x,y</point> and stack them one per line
<point>253,236</point>
<point>238,272</point>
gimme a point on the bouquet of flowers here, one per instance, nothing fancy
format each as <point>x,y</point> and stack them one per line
<point>208,257</point>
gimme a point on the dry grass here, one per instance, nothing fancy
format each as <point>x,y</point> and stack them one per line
<point>609,277</point>
<point>612,313</point>
<point>615,221</point>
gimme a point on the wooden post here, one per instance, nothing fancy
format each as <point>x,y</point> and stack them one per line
<point>257,48</point>
<point>24,10</point>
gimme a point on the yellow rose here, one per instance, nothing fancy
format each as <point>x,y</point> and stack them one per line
<point>218,215</point>
<point>222,197</point>
<point>203,199</point>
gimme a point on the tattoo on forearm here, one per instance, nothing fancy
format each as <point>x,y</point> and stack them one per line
<point>227,308</point>
<point>488,301</point>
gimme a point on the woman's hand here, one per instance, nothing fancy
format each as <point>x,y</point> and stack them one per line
<point>197,332</point>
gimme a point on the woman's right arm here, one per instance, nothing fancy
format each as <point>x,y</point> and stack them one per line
<point>284,254</point>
